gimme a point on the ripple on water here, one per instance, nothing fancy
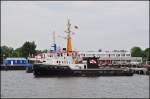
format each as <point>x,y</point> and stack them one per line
<point>19,84</point>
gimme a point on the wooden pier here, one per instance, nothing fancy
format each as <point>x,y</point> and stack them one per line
<point>137,69</point>
<point>13,67</point>
<point>140,70</point>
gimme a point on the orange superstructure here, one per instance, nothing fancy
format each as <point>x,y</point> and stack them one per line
<point>69,44</point>
<point>69,40</point>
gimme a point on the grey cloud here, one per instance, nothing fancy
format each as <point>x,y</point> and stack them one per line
<point>107,25</point>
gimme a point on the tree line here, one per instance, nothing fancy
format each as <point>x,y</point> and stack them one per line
<point>29,49</point>
<point>138,52</point>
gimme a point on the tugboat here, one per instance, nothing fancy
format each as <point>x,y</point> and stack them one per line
<point>69,63</point>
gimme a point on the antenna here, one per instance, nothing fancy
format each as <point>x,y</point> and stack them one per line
<point>54,42</point>
<point>54,37</point>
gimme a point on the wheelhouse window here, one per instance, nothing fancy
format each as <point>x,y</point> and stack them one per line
<point>58,54</point>
<point>122,54</point>
<point>112,54</point>
<point>128,55</point>
<point>61,54</point>
<point>118,55</point>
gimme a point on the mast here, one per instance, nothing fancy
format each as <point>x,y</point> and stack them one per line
<point>69,40</point>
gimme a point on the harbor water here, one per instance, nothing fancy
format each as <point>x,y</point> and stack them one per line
<point>19,84</point>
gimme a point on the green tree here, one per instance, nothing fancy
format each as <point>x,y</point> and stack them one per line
<point>146,54</point>
<point>5,52</point>
<point>28,49</point>
<point>136,52</point>
<point>18,52</point>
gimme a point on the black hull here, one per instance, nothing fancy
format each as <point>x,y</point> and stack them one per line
<point>53,70</point>
<point>29,69</point>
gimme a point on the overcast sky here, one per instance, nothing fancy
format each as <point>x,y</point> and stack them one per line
<point>105,25</point>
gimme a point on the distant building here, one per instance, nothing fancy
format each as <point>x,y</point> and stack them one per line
<point>113,57</point>
<point>15,61</point>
